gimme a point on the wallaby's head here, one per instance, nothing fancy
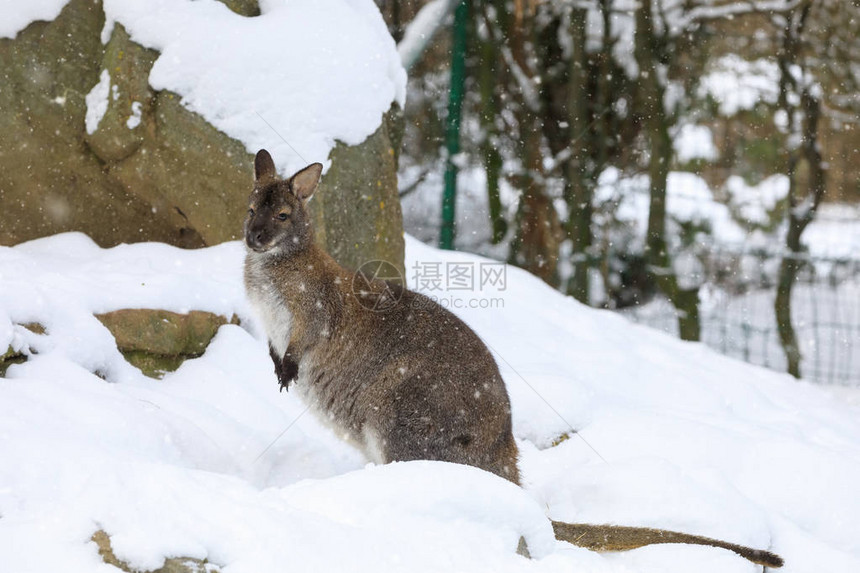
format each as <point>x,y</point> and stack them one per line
<point>278,221</point>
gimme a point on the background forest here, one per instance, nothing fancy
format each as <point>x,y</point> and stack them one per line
<point>690,163</point>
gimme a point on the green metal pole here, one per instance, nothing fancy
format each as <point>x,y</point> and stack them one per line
<point>452,129</point>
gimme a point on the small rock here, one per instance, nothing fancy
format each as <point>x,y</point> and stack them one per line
<point>171,564</point>
<point>158,341</point>
<point>161,331</point>
<point>12,356</point>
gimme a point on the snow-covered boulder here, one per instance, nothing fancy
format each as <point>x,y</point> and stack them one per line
<point>138,120</point>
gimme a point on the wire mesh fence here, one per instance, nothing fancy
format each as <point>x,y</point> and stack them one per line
<point>738,318</point>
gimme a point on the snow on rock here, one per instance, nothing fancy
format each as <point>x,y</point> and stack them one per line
<point>213,462</point>
<point>296,79</point>
<point>15,15</point>
<point>302,75</point>
<point>134,119</point>
<point>97,102</point>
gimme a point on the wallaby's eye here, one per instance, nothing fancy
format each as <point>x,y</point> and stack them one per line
<point>251,212</point>
<point>282,216</point>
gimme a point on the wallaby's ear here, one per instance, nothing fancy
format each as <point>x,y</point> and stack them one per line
<point>304,183</point>
<point>264,167</point>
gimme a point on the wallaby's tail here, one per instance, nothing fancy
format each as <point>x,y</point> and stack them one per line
<point>620,538</point>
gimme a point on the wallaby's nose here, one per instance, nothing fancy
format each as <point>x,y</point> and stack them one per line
<point>255,240</point>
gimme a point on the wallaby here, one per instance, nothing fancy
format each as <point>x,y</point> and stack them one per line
<point>407,380</point>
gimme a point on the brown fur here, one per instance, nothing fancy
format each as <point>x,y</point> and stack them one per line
<point>408,382</point>
<point>621,538</point>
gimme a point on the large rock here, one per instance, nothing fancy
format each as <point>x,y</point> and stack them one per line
<point>152,170</point>
<point>50,181</point>
<point>356,210</point>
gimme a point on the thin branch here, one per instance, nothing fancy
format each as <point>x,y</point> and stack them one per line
<point>528,89</point>
<point>421,30</point>
<point>708,13</point>
<point>412,187</point>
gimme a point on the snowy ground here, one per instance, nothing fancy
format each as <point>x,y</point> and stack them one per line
<point>689,440</point>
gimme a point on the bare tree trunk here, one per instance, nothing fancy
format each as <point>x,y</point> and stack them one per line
<point>536,242</point>
<point>579,180</point>
<point>656,120</point>
<point>788,270</point>
<point>490,155</point>
<point>535,245</point>
<point>801,212</point>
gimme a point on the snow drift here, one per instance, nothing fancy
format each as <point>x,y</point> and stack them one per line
<point>212,462</point>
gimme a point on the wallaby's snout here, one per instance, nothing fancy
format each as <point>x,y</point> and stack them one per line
<point>257,236</point>
<point>256,241</point>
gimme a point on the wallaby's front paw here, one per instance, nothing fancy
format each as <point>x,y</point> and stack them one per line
<point>283,382</point>
<point>288,372</point>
